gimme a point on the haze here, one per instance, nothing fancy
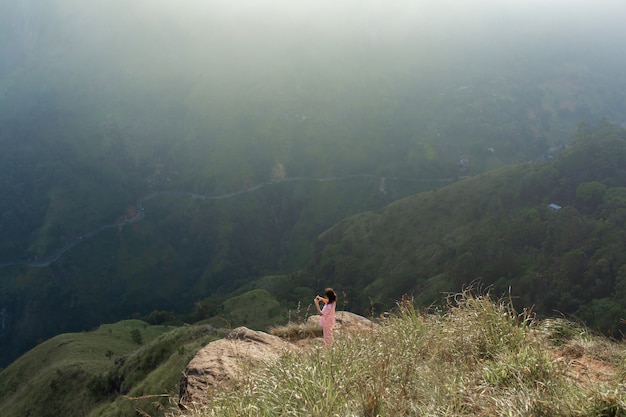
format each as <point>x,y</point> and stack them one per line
<point>195,38</point>
<point>326,108</point>
<point>219,92</point>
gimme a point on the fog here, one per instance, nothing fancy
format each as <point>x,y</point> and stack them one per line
<point>465,75</point>
<point>326,108</point>
<point>192,27</point>
<point>240,67</point>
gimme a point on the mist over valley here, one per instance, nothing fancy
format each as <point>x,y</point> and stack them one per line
<point>162,156</point>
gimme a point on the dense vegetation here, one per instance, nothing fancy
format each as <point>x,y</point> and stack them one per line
<point>105,103</point>
<point>498,228</point>
<point>220,161</point>
<point>185,250</point>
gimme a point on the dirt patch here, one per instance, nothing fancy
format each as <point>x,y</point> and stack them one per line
<point>583,369</point>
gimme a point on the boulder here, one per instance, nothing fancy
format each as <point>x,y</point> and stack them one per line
<point>348,322</point>
<point>226,359</point>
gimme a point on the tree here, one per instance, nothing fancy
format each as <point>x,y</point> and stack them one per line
<point>604,314</point>
<point>136,336</point>
<point>591,194</point>
<point>615,206</point>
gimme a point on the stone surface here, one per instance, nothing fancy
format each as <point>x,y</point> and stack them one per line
<point>348,322</point>
<point>226,359</point>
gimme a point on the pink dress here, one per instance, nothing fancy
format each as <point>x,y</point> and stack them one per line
<point>328,315</point>
<point>327,321</point>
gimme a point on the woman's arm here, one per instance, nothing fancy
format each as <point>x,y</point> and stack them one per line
<point>317,303</point>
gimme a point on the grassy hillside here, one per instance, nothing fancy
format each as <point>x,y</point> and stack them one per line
<point>120,367</point>
<point>476,357</point>
<point>497,227</point>
<point>71,373</point>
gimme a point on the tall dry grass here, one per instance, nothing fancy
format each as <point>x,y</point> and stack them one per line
<point>476,357</point>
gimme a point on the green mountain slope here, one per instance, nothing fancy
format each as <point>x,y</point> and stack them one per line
<point>103,103</point>
<point>86,373</point>
<point>497,227</point>
<point>117,368</point>
<point>109,107</point>
<point>182,251</point>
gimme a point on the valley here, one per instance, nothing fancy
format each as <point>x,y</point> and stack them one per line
<point>160,159</point>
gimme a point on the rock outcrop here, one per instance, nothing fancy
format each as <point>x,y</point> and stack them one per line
<point>346,322</point>
<point>227,359</point>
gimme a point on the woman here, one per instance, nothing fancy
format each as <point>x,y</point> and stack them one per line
<point>327,314</point>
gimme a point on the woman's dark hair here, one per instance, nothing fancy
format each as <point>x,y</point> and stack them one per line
<point>330,294</point>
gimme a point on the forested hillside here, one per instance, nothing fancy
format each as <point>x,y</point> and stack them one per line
<point>157,154</point>
<point>499,228</point>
